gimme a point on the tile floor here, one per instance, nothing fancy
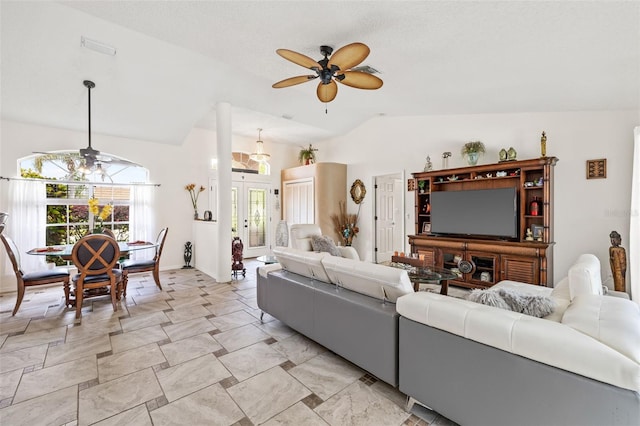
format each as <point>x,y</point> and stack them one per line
<point>192,354</point>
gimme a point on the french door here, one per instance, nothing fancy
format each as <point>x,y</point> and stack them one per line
<point>250,216</point>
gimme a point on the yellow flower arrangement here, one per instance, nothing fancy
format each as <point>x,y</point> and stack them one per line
<point>99,215</point>
<point>194,194</point>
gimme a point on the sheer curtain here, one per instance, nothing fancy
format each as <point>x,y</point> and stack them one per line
<point>27,211</point>
<point>634,226</point>
<point>141,220</point>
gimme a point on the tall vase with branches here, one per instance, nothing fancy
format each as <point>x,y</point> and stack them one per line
<point>346,224</point>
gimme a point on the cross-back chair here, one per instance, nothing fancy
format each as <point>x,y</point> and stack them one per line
<point>48,276</point>
<point>96,256</point>
<point>145,265</point>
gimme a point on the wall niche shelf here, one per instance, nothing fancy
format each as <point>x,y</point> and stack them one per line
<point>493,260</point>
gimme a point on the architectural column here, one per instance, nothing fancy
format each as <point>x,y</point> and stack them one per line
<point>223,153</point>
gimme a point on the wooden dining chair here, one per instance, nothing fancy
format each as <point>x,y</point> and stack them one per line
<point>145,265</point>
<point>48,276</point>
<point>96,256</point>
<point>109,232</point>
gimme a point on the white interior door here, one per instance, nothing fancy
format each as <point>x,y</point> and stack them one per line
<point>250,216</point>
<point>389,216</point>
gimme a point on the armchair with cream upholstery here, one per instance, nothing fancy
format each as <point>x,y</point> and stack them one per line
<point>300,238</point>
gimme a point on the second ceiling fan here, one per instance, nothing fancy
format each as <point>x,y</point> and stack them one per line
<point>337,68</point>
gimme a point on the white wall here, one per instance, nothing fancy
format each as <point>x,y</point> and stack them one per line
<point>170,166</point>
<point>586,211</point>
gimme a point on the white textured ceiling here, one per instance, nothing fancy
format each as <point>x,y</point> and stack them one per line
<point>177,59</point>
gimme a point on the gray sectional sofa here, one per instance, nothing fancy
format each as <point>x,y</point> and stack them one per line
<point>472,363</point>
<point>361,328</point>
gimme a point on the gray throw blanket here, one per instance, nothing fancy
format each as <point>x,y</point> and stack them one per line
<point>528,304</point>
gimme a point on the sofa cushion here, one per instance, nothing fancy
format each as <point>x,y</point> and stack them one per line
<point>610,320</point>
<point>548,342</point>
<point>584,276</point>
<point>374,280</point>
<point>324,243</point>
<point>305,263</point>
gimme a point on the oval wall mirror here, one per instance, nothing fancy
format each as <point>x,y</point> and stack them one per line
<point>358,191</point>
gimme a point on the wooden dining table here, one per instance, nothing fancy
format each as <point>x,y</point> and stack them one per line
<point>64,251</point>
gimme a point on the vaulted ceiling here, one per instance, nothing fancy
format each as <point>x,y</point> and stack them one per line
<point>176,60</point>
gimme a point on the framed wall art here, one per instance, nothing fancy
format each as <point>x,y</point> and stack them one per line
<point>597,169</point>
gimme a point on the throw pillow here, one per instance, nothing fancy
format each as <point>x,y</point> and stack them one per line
<point>528,304</point>
<point>489,298</point>
<point>324,244</point>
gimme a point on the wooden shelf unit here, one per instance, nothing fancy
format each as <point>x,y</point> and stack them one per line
<point>517,259</point>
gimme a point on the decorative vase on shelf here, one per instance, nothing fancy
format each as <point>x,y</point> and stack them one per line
<point>195,214</point>
<point>472,158</point>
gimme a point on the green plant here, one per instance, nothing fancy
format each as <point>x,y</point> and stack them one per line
<point>307,155</point>
<point>472,147</point>
<point>421,185</point>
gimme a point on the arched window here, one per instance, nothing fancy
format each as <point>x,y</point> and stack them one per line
<point>240,162</point>
<point>69,187</point>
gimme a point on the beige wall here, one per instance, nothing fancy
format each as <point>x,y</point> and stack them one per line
<point>170,166</point>
<point>586,211</point>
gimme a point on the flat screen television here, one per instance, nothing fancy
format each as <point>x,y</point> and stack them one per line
<point>478,212</point>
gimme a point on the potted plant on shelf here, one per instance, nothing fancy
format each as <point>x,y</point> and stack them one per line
<point>307,155</point>
<point>472,151</point>
<point>421,185</point>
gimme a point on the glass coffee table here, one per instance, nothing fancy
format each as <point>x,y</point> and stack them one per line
<point>427,275</point>
<point>268,259</point>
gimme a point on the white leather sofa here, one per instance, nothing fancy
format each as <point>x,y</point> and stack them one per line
<point>477,364</point>
<point>300,238</point>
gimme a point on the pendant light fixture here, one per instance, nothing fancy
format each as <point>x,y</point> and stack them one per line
<point>259,155</point>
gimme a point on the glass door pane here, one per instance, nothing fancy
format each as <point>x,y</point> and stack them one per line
<point>257,214</point>
<point>250,218</point>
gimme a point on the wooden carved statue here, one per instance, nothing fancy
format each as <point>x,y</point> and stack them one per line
<point>236,255</point>
<point>618,261</point>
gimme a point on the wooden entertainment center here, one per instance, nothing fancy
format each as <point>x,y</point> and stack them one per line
<point>481,261</point>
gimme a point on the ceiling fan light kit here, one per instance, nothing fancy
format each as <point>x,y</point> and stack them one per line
<point>329,70</point>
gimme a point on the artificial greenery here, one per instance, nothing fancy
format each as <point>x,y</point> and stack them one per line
<point>471,147</point>
<point>307,155</point>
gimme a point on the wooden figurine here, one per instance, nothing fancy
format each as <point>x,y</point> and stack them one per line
<point>618,261</point>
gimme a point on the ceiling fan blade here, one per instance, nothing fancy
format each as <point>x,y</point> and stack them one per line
<point>293,81</point>
<point>361,80</point>
<point>327,92</point>
<point>298,58</point>
<point>349,56</point>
